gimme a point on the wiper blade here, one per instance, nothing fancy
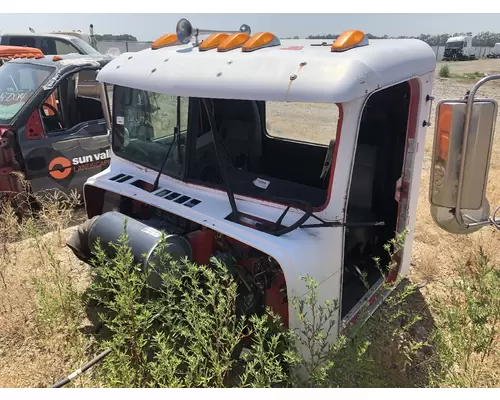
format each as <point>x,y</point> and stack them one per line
<point>177,132</point>
<point>218,144</point>
<point>157,180</point>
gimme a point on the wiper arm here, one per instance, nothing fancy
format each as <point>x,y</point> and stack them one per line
<point>177,132</point>
<point>157,180</point>
<point>217,145</point>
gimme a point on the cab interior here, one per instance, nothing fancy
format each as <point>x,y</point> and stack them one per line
<point>255,154</point>
<point>76,100</point>
<point>294,170</point>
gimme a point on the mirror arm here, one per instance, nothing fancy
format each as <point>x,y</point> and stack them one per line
<point>468,114</point>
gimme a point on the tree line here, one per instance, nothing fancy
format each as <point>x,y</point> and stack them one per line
<point>482,39</point>
<point>113,38</point>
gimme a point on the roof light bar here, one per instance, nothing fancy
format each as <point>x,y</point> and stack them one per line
<point>261,40</point>
<point>234,41</point>
<point>169,39</point>
<point>213,41</point>
<point>349,40</point>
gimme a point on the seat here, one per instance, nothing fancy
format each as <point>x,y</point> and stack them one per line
<point>240,128</point>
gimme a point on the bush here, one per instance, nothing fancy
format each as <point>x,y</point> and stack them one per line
<point>467,334</point>
<point>187,334</point>
<point>444,71</point>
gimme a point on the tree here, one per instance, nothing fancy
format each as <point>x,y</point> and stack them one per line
<point>109,37</point>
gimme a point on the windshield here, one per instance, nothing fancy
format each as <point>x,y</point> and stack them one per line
<point>18,82</point>
<point>87,48</point>
<point>145,125</point>
<point>454,45</point>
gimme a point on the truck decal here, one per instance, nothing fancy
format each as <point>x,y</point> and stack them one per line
<point>61,168</point>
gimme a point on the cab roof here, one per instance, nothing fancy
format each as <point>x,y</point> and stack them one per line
<point>297,70</point>
<point>457,39</point>
<point>67,60</point>
<point>43,35</point>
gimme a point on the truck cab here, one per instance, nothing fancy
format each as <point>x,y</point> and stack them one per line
<point>52,122</point>
<point>282,158</point>
<point>458,48</point>
<point>50,43</point>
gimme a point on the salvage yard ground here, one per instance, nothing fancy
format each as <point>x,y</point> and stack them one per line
<point>31,356</point>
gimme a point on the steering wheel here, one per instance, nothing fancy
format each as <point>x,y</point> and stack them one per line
<point>54,110</point>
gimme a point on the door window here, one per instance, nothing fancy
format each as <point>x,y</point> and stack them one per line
<point>77,101</point>
<point>23,41</point>
<point>56,46</point>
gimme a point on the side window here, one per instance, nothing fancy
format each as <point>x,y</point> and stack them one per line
<point>48,46</point>
<point>77,101</point>
<point>23,41</point>
<point>314,123</point>
<point>65,48</point>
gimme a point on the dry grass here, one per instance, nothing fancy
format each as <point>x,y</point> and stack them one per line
<point>37,346</point>
<point>40,309</point>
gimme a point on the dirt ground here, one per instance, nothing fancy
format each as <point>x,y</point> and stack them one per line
<point>435,252</point>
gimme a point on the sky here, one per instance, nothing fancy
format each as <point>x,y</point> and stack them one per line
<point>148,27</point>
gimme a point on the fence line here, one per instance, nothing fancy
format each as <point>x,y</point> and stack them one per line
<point>125,46</point>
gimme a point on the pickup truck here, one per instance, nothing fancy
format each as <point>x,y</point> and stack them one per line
<point>51,43</point>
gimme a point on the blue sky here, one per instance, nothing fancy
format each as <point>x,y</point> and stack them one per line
<point>150,26</point>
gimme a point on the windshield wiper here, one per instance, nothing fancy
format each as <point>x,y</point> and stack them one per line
<point>157,180</point>
<point>177,131</point>
<point>218,144</point>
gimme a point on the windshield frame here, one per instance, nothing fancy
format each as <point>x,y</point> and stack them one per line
<point>33,66</point>
<point>175,136</point>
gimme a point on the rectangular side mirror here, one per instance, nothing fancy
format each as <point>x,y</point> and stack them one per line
<point>87,84</point>
<point>447,153</point>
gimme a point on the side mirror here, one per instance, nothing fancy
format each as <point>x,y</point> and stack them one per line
<point>446,178</point>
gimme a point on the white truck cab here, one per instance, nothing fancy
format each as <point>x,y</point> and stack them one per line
<point>458,48</point>
<point>284,158</point>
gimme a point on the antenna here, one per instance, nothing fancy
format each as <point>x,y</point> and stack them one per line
<point>32,30</point>
<point>185,31</point>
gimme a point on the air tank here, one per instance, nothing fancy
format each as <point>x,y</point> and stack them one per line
<point>142,239</point>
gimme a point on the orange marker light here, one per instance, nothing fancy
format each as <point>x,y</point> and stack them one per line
<point>348,40</point>
<point>213,41</point>
<point>164,41</point>
<point>444,127</point>
<point>233,41</point>
<point>261,40</point>
<point>57,58</point>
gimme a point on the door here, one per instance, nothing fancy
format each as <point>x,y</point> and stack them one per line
<point>72,144</point>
